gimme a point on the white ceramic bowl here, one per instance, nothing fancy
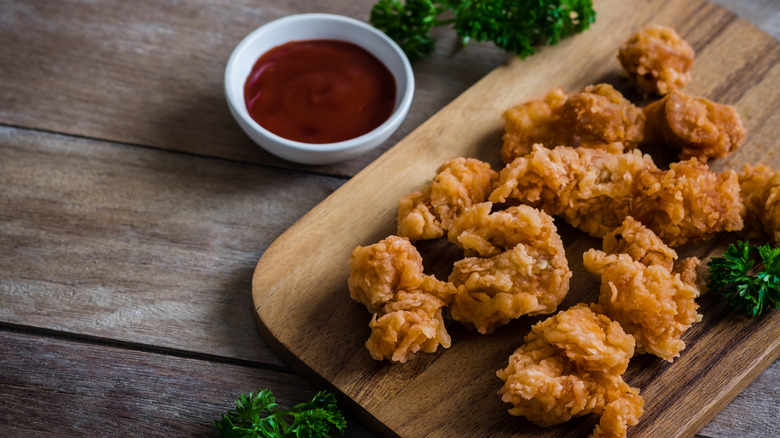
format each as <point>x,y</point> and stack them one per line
<point>307,27</point>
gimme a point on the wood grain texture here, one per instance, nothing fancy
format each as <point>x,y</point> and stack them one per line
<point>64,388</point>
<point>763,13</point>
<point>746,418</point>
<point>60,388</point>
<point>128,257</point>
<point>139,245</point>
<point>151,72</point>
<point>452,392</point>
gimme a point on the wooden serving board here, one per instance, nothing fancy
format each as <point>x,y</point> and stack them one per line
<point>300,284</point>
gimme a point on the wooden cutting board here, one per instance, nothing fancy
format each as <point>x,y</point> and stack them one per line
<point>300,284</point>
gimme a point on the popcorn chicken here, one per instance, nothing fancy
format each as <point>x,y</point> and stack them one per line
<point>598,117</point>
<point>657,60</point>
<point>644,246</point>
<point>694,126</point>
<point>639,243</point>
<point>526,273</point>
<point>571,365</point>
<point>590,189</point>
<point>688,202</point>
<point>458,183</point>
<point>641,291</point>
<point>595,190</point>
<point>387,277</point>
<point>761,193</point>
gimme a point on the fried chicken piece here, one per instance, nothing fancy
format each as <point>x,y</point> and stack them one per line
<point>459,183</point>
<point>595,190</point>
<point>688,270</point>
<point>694,126</point>
<point>526,272</point>
<point>481,232</point>
<point>416,219</point>
<point>644,246</point>
<point>387,277</point>
<point>591,189</point>
<point>571,365</point>
<point>380,271</point>
<point>649,302</point>
<point>644,290</point>
<point>657,60</point>
<point>601,116</point>
<point>688,202</point>
<point>598,117</point>
<point>398,334</point>
<point>761,193</point>
<point>532,122</point>
<point>619,414</point>
<point>639,243</point>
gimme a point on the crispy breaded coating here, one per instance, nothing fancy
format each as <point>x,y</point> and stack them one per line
<point>458,183</point>
<point>601,116</point>
<point>380,271</point>
<point>571,365</point>
<point>649,302</point>
<point>645,247</point>
<point>688,202</point>
<point>485,233</point>
<point>619,414</point>
<point>760,187</point>
<point>688,269</point>
<point>694,126</point>
<point>387,277</point>
<point>657,60</point>
<point>416,219</point>
<point>591,189</point>
<point>533,122</point>
<point>595,190</point>
<point>526,272</point>
<point>640,243</point>
<point>399,334</point>
<point>598,117</point>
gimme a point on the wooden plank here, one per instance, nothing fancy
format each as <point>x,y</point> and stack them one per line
<point>763,13</point>
<point>139,245</point>
<point>56,387</point>
<point>151,72</point>
<point>754,413</point>
<point>59,388</point>
<point>453,391</point>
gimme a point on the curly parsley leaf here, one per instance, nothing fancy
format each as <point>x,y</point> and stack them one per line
<point>408,23</point>
<point>517,26</point>
<point>750,284</point>
<point>257,416</point>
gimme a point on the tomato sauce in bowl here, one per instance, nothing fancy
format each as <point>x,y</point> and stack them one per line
<point>319,91</point>
<point>300,114</point>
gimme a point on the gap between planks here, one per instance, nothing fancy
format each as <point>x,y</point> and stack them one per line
<point>135,346</point>
<point>186,153</point>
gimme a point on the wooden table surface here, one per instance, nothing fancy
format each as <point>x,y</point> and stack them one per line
<point>133,211</point>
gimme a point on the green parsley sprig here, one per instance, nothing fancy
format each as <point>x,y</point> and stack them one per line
<point>513,25</point>
<point>749,287</point>
<point>257,416</point>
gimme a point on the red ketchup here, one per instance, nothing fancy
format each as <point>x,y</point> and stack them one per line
<point>319,91</point>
